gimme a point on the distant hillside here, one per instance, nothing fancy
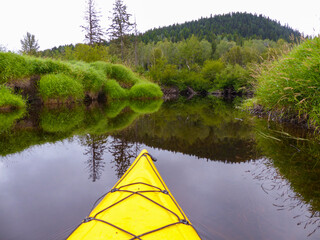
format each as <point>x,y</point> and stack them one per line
<point>232,25</point>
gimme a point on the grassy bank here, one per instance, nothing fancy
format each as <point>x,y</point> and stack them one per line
<point>9,100</point>
<point>64,81</point>
<point>289,86</point>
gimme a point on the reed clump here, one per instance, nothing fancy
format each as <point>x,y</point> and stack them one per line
<point>291,84</point>
<point>60,87</point>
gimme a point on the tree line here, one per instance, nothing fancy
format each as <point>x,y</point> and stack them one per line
<point>208,54</point>
<point>235,26</point>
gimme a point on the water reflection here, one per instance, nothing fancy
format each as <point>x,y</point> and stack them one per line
<point>206,128</point>
<point>212,132</point>
<point>123,152</point>
<point>291,172</point>
<point>95,147</point>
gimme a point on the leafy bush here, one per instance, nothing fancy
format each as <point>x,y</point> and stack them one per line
<point>10,100</point>
<point>211,68</point>
<point>61,87</point>
<point>233,76</point>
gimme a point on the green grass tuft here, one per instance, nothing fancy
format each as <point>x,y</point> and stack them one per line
<point>145,91</point>
<point>7,120</point>
<point>13,66</point>
<point>292,83</point>
<point>123,75</point>
<point>114,91</point>
<point>60,87</point>
<point>10,100</point>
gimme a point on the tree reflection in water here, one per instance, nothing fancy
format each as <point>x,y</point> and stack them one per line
<point>286,199</point>
<point>123,151</point>
<point>95,146</point>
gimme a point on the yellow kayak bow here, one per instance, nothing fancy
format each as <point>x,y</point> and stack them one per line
<point>139,206</point>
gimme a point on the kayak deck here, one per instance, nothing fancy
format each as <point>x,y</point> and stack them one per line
<point>139,206</point>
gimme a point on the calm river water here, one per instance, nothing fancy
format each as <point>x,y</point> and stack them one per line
<point>235,176</point>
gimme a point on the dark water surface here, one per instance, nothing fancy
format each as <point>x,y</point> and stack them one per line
<point>235,176</point>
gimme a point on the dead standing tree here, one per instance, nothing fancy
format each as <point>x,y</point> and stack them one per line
<point>93,30</point>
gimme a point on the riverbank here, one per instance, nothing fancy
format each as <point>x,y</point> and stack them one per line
<point>51,81</point>
<point>287,89</point>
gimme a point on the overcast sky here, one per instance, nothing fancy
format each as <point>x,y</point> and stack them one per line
<point>57,22</point>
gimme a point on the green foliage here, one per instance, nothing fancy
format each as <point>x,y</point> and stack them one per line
<point>292,82</point>
<point>123,75</point>
<point>145,91</point>
<point>7,120</point>
<point>60,87</point>
<point>88,53</point>
<point>9,100</point>
<point>234,25</point>
<point>61,119</point>
<point>40,66</point>
<point>211,68</point>
<point>73,78</point>
<point>146,107</point>
<point>295,157</point>
<point>92,79</point>
<point>104,67</point>
<point>12,66</point>
<point>232,76</point>
<point>29,44</point>
<point>114,91</point>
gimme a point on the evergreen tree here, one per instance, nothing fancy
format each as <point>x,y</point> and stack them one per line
<point>93,30</point>
<point>29,44</point>
<point>121,25</point>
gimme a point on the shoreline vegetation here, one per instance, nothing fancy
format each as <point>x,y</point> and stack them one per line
<point>51,81</point>
<point>287,89</point>
<point>279,74</point>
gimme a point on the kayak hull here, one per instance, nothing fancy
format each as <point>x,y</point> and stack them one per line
<point>139,206</point>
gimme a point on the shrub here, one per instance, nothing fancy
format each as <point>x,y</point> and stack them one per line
<point>145,91</point>
<point>10,100</point>
<point>233,76</point>
<point>211,68</point>
<point>61,87</point>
